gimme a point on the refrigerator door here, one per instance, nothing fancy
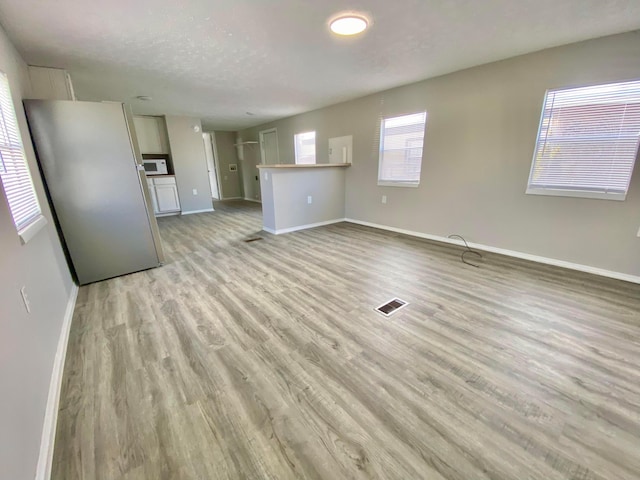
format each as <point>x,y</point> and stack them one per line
<point>86,157</point>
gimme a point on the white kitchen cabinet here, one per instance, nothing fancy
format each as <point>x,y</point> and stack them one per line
<point>164,195</point>
<point>152,134</point>
<point>50,83</point>
<point>152,193</point>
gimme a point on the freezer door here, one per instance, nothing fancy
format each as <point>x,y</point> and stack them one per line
<point>87,160</point>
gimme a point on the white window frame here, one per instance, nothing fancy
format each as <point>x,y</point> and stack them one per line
<point>593,193</point>
<point>400,183</point>
<point>14,169</point>
<point>297,152</point>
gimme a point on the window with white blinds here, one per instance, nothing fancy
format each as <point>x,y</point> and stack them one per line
<point>401,142</point>
<point>14,171</point>
<point>305,148</point>
<point>588,142</point>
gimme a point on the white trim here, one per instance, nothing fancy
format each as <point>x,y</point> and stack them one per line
<point>45,459</point>
<point>198,211</point>
<point>510,253</point>
<point>558,192</point>
<point>303,227</point>
<point>30,230</point>
<point>388,183</point>
<point>252,200</point>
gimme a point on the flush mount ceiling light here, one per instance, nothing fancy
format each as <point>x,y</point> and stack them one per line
<point>349,24</point>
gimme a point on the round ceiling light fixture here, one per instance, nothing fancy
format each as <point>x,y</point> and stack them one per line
<point>349,24</point>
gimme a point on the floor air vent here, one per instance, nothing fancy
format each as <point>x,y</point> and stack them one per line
<point>253,239</point>
<point>392,306</point>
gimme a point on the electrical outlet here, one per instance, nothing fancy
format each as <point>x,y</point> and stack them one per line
<point>639,232</point>
<point>384,199</point>
<point>266,175</point>
<point>309,199</point>
<point>195,191</point>
<point>25,299</point>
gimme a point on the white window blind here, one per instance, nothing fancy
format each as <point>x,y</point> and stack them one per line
<point>16,180</point>
<point>401,141</point>
<point>305,147</point>
<point>588,141</point>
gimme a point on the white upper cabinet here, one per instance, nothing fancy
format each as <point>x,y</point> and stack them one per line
<point>152,134</point>
<point>50,84</point>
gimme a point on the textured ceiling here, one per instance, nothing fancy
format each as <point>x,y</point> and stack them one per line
<point>218,59</point>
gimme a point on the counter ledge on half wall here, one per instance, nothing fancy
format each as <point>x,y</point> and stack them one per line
<point>315,165</point>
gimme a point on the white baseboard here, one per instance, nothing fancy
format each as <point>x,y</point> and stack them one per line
<point>252,200</point>
<point>43,471</point>
<point>224,199</point>
<point>302,227</point>
<point>198,211</point>
<point>510,253</point>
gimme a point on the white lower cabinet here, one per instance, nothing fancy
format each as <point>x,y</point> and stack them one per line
<point>164,195</point>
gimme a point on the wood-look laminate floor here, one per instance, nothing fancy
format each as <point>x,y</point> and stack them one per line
<point>265,360</point>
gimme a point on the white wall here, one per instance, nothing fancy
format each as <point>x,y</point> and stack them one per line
<point>27,341</point>
<point>481,129</point>
<point>189,163</point>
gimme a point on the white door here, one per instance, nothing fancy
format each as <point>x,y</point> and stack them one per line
<point>208,139</point>
<point>269,146</point>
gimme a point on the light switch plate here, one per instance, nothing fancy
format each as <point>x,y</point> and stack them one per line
<point>195,191</point>
<point>309,199</point>
<point>384,199</point>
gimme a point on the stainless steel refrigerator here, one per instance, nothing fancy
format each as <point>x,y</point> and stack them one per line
<point>90,161</point>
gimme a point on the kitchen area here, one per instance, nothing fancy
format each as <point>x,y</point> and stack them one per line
<point>153,142</point>
<point>110,173</point>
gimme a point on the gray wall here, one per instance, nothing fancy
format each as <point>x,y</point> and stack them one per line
<point>189,163</point>
<point>28,342</point>
<point>285,192</point>
<point>481,129</point>
<point>229,181</point>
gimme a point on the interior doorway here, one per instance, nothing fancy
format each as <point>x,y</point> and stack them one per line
<point>269,147</point>
<point>209,140</point>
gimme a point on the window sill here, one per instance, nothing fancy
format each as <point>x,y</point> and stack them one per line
<point>32,229</point>
<point>382,183</point>
<point>551,192</point>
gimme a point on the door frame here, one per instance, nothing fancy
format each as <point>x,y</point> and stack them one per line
<point>261,134</point>
<point>216,162</point>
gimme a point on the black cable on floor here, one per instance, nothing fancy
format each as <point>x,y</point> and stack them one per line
<point>468,250</point>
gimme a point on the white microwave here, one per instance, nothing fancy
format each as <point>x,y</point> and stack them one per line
<point>155,166</point>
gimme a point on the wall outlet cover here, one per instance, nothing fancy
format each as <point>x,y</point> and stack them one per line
<point>233,167</point>
<point>195,191</point>
<point>384,199</point>
<point>309,199</point>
